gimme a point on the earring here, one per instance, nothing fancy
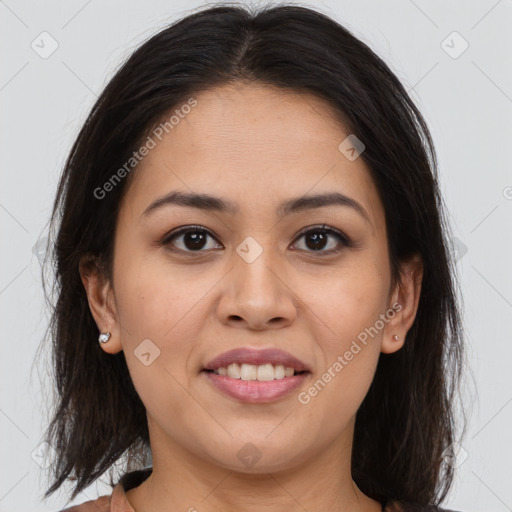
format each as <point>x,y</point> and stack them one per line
<point>396,337</point>
<point>104,337</point>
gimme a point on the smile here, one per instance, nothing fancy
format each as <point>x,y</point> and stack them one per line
<point>245,385</point>
<point>263,372</point>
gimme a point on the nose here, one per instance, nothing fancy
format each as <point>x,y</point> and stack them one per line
<point>256,295</point>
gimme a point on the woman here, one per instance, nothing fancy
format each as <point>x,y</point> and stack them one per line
<point>256,300</point>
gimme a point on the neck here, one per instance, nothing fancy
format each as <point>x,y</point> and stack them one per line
<point>182,481</point>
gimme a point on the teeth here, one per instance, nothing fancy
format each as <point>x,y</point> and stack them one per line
<point>263,372</point>
<point>248,372</point>
<point>280,371</point>
<point>233,371</point>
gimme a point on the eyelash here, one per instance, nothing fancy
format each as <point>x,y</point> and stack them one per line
<point>344,241</point>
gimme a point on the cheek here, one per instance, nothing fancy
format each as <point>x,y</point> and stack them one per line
<point>349,308</point>
<point>164,312</point>
<point>346,312</point>
<point>347,301</point>
<point>155,299</point>
<point>161,320</point>
<point>350,348</point>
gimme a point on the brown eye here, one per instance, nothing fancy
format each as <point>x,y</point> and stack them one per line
<point>190,239</point>
<point>322,239</point>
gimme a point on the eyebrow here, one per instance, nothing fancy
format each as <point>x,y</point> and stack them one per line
<point>207,202</point>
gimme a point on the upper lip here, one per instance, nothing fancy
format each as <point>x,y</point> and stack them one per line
<point>257,357</point>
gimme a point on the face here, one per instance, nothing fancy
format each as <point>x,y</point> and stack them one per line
<point>261,266</point>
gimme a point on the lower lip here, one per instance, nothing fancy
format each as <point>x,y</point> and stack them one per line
<point>255,391</point>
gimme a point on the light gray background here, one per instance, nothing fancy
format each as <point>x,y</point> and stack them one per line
<point>467,102</point>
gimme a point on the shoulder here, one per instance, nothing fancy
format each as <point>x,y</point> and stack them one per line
<point>117,500</point>
<point>396,506</point>
<point>101,504</point>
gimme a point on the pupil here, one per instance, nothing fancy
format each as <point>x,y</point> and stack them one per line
<point>319,240</point>
<point>194,240</point>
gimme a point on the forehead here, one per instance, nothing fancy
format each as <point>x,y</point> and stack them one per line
<point>255,144</point>
<point>245,119</point>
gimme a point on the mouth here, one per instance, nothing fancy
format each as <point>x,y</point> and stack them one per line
<point>262,373</point>
<point>256,376</point>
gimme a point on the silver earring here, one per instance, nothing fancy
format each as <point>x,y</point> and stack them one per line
<point>396,337</point>
<point>104,337</point>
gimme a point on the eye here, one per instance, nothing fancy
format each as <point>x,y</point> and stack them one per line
<point>318,238</point>
<point>321,238</point>
<point>190,239</point>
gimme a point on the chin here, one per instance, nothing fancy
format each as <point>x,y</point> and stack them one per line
<point>259,455</point>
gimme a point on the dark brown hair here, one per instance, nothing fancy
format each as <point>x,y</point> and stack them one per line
<point>407,419</point>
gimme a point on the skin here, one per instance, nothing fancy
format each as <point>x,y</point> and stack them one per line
<point>257,146</point>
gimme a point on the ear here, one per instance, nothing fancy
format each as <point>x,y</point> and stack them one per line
<point>404,300</point>
<point>100,296</point>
